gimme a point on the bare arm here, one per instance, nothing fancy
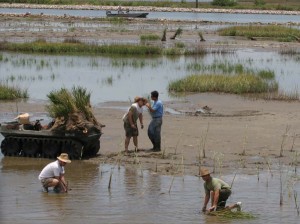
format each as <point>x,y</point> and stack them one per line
<point>150,108</point>
<point>206,200</point>
<point>130,115</point>
<point>141,120</point>
<point>63,183</point>
<point>214,205</point>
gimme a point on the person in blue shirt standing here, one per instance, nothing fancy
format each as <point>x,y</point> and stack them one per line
<point>154,129</point>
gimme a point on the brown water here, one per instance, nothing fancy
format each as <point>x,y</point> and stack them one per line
<point>135,197</point>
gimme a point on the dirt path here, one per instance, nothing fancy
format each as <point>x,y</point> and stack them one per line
<point>235,125</point>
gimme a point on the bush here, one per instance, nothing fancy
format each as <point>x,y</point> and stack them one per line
<point>259,2</point>
<point>224,2</point>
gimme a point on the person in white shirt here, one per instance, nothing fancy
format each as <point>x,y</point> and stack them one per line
<point>134,113</point>
<point>53,174</point>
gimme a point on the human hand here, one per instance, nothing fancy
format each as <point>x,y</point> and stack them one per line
<point>133,126</point>
<point>204,209</point>
<point>147,105</point>
<point>142,126</point>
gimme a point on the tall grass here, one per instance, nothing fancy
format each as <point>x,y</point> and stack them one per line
<point>12,92</point>
<point>64,102</point>
<point>281,33</point>
<point>237,84</point>
<point>80,48</point>
<point>149,37</point>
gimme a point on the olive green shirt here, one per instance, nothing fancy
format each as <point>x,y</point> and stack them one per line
<point>215,184</point>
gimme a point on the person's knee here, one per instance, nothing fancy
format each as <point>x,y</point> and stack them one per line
<point>55,182</point>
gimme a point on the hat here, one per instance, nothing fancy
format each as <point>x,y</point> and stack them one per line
<point>64,157</point>
<point>204,172</point>
<point>138,98</point>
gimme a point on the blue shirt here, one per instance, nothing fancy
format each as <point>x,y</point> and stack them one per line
<point>158,109</point>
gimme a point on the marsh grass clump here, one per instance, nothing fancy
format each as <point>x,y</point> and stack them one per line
<point>64,102</point>
<point>80,48</point>
<point>12,92</point>
<point>149,37</point>
<point>266,74</point>
<point>228,214</point>
<point>237,84</point>
<point>280,33</point>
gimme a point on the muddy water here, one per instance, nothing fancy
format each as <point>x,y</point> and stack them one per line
<point>135,197</point>
<point>117,79</point>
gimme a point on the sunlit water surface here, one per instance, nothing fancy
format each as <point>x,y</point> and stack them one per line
<point>117,79</point>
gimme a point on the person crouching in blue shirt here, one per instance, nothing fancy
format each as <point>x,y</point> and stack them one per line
<point>154,129</point>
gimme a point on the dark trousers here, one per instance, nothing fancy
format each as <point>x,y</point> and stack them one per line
<point>223,196</point>
<point>154,132</point>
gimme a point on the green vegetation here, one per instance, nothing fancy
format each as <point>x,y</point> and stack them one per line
<point>237,84</point>
<point>224,2</point>
<point>79,48</point>
<point>228,214</point>
<point>12,93</point>
<point>227,78</point>
<point>149,37</point>
<point>280,33</point>
<point>64,102</point>
<point>73,46</point>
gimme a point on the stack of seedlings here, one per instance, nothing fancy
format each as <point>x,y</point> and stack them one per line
<point>72,111</point>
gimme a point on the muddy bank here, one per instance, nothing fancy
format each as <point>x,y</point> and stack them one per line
<point>150,8</point>
<point>239,133</point>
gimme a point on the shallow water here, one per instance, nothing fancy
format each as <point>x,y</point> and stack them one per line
<point>213,17</point>
<point>135,196</point>
<point>118,79</point>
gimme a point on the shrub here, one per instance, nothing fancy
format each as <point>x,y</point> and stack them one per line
<point>224,2</point>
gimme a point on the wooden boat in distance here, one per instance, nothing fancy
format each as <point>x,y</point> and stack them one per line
<point>127,14</point>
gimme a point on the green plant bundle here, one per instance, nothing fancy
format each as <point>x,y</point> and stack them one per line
<point>237,84</point>
<point>228,214</point>
<point>12,92</point>
<point>280,33</point>
<point>64,102</point>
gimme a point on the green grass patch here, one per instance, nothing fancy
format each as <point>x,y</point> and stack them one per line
<point>149,37</point>
<point>237,84</point>
<point>12,92</point>
<point>228,214</point>
<point>79,48</point>
<point>280,33</point>
<point>64,102</point>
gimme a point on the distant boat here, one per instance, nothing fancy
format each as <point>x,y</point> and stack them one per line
<point>127,14</point>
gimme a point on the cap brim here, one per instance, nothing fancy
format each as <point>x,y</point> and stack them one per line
<point>64,160</point>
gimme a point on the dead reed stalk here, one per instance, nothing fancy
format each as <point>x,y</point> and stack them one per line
<point>284,136</point>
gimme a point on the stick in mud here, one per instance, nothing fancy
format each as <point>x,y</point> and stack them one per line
<point>284,136</point>
<point>110,177</point>
<point>296,203</point>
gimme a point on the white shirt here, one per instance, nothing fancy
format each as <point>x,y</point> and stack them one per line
<point>139,109</point>
<point>52,170</point>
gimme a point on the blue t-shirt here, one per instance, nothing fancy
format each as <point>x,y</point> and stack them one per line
<point>159,109</point>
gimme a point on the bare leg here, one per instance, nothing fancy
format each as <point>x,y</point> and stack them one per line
<point>127,141</point>
<point>135,142</point>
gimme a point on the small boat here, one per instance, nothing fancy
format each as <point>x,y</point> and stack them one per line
<point>127,14</point>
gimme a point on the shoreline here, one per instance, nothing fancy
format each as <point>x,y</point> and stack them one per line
<point>245,135</point>
<point>149,8</point>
